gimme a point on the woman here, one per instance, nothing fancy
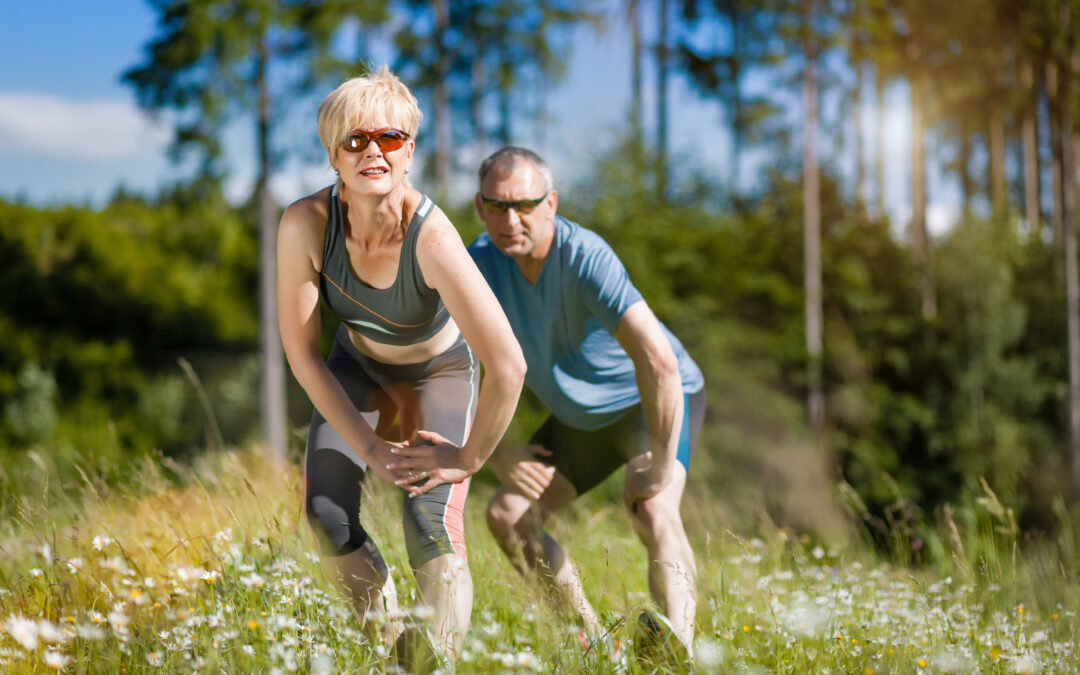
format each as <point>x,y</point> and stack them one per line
<point>414,311</point>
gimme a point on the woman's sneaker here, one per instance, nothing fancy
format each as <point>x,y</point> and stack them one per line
<point>605,648</point>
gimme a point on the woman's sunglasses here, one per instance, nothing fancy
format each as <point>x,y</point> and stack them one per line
<point>522,206</point>
<point>387,139</point>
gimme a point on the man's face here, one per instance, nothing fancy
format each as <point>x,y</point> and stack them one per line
<point>518,235</point>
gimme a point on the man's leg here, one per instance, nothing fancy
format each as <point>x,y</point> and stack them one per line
<point>672,570</point>
<point>516,522</point>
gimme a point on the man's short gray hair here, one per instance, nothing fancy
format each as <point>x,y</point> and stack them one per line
<point>512,154</point>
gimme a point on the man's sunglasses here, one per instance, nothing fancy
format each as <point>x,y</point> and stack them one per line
<point>522,206</point>
<point>387,139</point>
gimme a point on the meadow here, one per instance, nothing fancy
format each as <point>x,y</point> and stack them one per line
<point>209,566</point>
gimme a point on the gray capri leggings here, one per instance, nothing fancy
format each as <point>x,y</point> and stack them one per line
<point>437,395</point>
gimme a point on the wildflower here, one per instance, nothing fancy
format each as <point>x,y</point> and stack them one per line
<point>50,632</point>
<point>118,620</point>
<point>709,654</point>
<point>1025,665</point>
<point>46,552</point>
<point>36,572</point>
<point>248,649</point>
<point>252,581</point>
<point>74,565</point>
<point>996,652</point>
<point>527,660</point>
<point>818,553</point>
<point>155,659</point>
<point>114,564</point>
<point>24,631</point>
<point>100,542</point>
<point>210,577</point>
<point>90,632</point>
<point>922,663</point>
<point>56,660</point>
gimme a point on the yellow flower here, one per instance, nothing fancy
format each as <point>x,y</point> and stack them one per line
<point>996,652</point>
<point>868,671</point>
<point>1054,616</point>
<point>922,663</point>
<point>253,624</point>
<point>854,641</point>
<point>746,629</point>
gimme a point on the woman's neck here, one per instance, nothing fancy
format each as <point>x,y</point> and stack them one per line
<point>373,217</point>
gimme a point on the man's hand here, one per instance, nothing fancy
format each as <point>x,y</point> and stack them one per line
<point>521,469</point>
<point>644,479</point>
<point>426,455</point>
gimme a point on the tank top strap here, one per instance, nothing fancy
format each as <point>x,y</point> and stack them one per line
<point>412,235</point>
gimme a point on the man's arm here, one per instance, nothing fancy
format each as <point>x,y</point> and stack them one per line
<point>656,370</point>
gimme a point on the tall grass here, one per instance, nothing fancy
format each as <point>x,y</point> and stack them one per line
<point>209,566</point>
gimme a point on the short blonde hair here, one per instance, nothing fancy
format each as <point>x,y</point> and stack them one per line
<point>358,102</point>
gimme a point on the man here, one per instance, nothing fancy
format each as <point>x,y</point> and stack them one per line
<point>619,386</point>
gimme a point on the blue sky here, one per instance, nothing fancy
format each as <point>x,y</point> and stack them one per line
<point>70,131</point>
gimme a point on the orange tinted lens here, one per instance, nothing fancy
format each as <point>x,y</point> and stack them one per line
<point>391,140</point>
<point>388,140</point>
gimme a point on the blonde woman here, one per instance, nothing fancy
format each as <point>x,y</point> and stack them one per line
<point>417,320</point>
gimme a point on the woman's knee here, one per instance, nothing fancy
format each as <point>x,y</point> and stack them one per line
<point>506,516</point>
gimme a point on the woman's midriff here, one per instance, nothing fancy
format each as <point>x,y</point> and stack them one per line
<point>405,354</point>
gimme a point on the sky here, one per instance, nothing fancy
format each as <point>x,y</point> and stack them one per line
<point>71,132</point>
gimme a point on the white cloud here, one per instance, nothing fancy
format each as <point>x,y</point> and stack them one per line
<point>94,129</point>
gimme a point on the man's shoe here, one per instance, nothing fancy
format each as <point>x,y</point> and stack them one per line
<point>415,651</point>
<point>656,640</point>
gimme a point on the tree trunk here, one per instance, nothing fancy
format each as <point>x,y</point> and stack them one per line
<point>812,229</point>
<point>997,160</point>
<point>1030,134</point>
<point>661,101</point>
<point>966,187</point>
<point>1072,297</point>
<point>920,244</point>
<point>272,397</point>
<point>1055,150</point>
<point>636,112</point>
<point>860,141</point>
<point>879,158</point>
<point>442,105</point>
<point>476,105</point>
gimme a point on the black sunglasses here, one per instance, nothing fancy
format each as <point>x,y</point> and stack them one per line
<point>523,206</point>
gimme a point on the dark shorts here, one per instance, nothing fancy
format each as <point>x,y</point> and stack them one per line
<point>438,395</point>
<point>586,458</point>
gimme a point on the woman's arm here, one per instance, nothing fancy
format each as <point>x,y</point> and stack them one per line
<point>448,268</point>
<point>299,251</point>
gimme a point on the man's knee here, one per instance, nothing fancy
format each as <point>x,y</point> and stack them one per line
<point>653,516</point>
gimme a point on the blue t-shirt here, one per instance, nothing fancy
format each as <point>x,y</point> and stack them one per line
<point>566,326</point>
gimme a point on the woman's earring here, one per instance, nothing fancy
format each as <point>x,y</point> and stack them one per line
<point>406,169</point>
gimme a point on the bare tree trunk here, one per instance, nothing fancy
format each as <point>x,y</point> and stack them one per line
<point>442,105</point>
<point>860,143</point>
<point>272,390</point>
<point>879,159</point>
<point>1030,134</point>
<point>812,228</point>
<point>997,160</point>
<point>476,105</point>
<point>1055,150</point>
<point>920,244</point>
<point>1072,297</point>
<point>636,113</point>
<point>661,101</point>
<point>966,187</point>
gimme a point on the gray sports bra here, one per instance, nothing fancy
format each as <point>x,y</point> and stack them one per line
<point>407,312</point>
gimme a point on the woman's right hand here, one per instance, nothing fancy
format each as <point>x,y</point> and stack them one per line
<point>381,458</point>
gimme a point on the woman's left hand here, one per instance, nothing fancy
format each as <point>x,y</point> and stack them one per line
<point>427,456</point>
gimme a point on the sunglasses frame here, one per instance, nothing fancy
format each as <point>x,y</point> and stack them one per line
<point>522,206</point>
<point>376,135</point>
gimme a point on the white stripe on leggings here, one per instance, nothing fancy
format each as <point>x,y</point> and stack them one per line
<point>464,436</point>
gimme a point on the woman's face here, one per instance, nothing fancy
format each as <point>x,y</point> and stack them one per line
<point>366,162</point>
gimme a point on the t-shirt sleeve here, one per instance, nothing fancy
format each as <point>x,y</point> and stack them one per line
<point>606,289</point>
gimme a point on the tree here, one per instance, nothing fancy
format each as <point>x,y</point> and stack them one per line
<point>718,61</point>
<point>812,222</point>
<point>212,60</point>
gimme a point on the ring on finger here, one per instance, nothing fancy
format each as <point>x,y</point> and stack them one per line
<point>423,474</point>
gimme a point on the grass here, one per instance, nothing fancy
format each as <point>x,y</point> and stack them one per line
<point>210,566</point>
